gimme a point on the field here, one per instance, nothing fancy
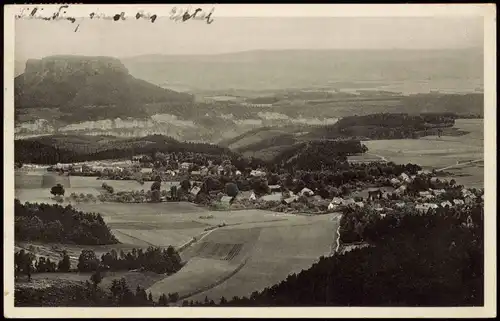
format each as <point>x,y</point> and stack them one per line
<point>28,186</point>
<point>280,250</point>
<point>434,152</point>
<point>253,250</point>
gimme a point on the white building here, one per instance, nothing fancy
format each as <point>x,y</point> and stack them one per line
<point>405,178</point>
<point>195,190</point>
<point>395,182</point>
<point>425,207</point>
<point>306,192</point>
<point>257,173</point>
<point>446,204</point>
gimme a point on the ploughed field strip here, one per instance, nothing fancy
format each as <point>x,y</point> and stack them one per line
<point>215,258</point>
<point>157,225</point>
<point>219,251</point>
<point>224,244</point>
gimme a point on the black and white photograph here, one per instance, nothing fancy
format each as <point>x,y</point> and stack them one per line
<point>240,156</point>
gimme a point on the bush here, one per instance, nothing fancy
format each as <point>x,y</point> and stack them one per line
<point>232,189</point>
<point>108,188</point>
<point>57,190</point>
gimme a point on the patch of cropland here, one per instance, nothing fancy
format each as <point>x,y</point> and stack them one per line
<point>250,253</point>
<point>262,135</point>
<point>79,148</point>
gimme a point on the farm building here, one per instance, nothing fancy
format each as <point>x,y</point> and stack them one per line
<point>275,188</point>
<point>306,192</point>
<point>146,170</point>
<point>185,165</point>
<point>425,207</point>
<point>337,201</point>
<point>458,202</point>
<point>360,204</point>
<point>395,182</point>
<point>257,173</point>
<point>438,192</point>
<point>400,204</point>
<point>290,199</point>
<point>405,178</point>
<point>195,190</point>
<point>446,204</point>
<point>252,197</point>
<point>435,180</point>
<point>401,190</point>
<point>237,173</point>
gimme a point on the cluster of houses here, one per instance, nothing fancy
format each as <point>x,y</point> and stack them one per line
<point>92,167</point>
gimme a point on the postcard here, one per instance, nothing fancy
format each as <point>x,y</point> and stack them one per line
<point>250,160</point>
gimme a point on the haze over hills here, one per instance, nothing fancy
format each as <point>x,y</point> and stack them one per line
<point>334,69</point>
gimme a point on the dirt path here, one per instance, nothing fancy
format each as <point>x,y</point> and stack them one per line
<point>336,245</point>
<point>379,156</point>
<point>461,164</point>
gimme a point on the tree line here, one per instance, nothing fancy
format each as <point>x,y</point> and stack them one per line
<point>154,259</point>
<point>89,294</point>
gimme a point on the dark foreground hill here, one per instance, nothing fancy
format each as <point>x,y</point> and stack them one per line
<point>91,87</point>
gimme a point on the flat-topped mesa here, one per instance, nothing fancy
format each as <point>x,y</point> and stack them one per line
<point>59,67</point>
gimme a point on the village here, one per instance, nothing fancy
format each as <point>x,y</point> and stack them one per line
<point>224,187</point>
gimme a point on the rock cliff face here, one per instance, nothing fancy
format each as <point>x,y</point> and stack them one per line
<point>64,67</point>
<point>88,88</point>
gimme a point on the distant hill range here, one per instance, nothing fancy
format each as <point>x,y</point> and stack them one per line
<point>282,69</point>
<point>95,87</point>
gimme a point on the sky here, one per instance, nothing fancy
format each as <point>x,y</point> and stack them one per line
<point>39,38</point>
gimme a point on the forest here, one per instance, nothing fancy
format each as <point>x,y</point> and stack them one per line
<point>55,223</point>
<point>63,153</point>
<point>386,126</point>
<point>317,155</point>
